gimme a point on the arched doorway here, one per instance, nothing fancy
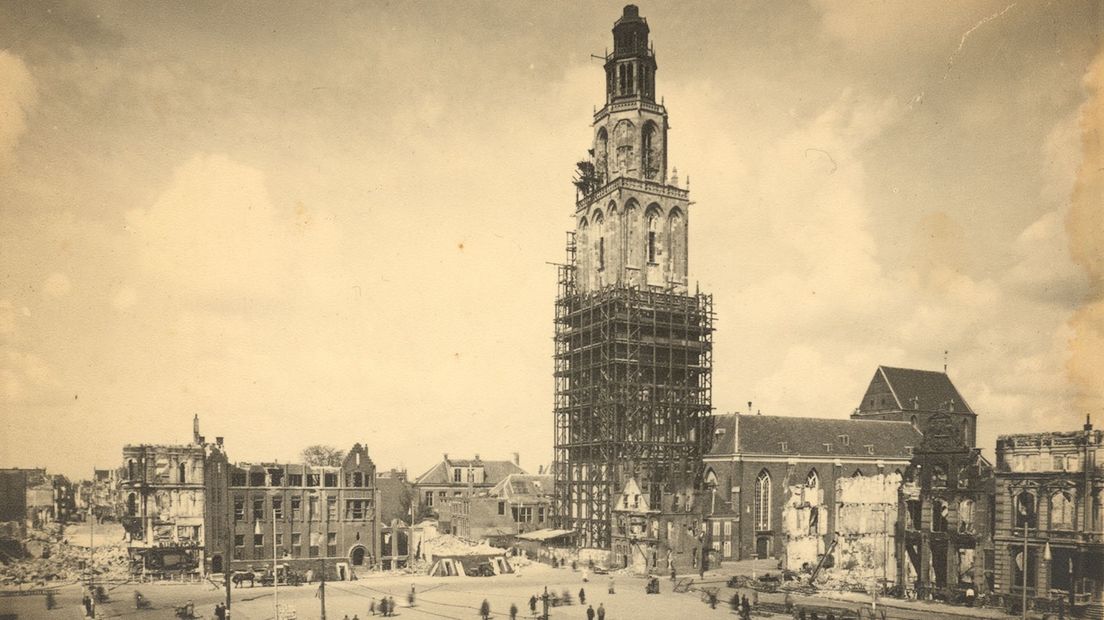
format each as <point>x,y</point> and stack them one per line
<point>357,555</point>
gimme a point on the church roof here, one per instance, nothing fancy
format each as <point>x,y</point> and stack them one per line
<point>923,390</point>
<point>800,436</point>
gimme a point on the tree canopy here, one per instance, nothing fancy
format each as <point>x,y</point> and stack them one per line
<point>322,455</point>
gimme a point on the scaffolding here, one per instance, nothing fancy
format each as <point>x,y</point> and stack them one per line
<point>633,393</point>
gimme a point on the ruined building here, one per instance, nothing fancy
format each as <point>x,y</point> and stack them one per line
<point>303,514</point>
<point>799,488</point>
<point>946,514</point>
<point>164,489</point>
<point>633,349</point>
<point>453,478</point>
<point>1050,487</point>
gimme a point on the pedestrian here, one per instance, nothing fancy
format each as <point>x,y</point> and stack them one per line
<point>590,613</point>
<point>672,573</point>
<point>51,602</point>
<point>372,606</point>
<point>533,604</point>
<point>712,600</point>
<point>346,617</point>
<point>574,565</point>
<point>787,601</point>
<point>86,602</point>
<point>601,612</point>
<point>582,596</point>
<point>410,597</point>
<point>611,585</point>
<point>514,611</point>
<point>746,607</point>
<point>735,603</point>
<point>383,606</point>
<point>485,610</point>
<point>355,617</point>
<point>970,595</point>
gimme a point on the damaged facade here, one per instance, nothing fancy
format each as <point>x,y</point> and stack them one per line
<point>519,503</point>
<point>946,515</point>
<point>164,507</point>
<point>1050,486</point>
<point>659,537</point>
<point>304,513</point>
<point>458,478</point>
<point>800,488</point>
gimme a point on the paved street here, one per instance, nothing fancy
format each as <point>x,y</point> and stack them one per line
<point>438,597</point>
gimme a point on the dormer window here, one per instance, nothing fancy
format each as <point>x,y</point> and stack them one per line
<point>908,450</point>
<point>869,448</point>
<point>845,440</point>
<point>827,447</point>
<point>784,445</point>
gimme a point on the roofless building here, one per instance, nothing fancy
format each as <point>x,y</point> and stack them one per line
<point>633,360</point>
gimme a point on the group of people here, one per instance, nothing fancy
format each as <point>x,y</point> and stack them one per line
<point>386,607</point>
<point>742,606</point>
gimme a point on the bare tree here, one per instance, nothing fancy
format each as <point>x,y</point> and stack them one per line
<point>322,455</point>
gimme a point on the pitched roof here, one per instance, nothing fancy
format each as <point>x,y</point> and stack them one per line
<point>524,486</point>
<point>493,471</point>
<point>925,390</point>
<point>766,434</point>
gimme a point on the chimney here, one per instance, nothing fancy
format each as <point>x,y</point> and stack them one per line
<point>195,429</point>
<point>1088,424</point>
<point>517,459</point>
<point>218,440</point>
<point>446,456</point>
<point>476,458</point>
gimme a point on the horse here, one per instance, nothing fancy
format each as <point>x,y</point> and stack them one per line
<point>240,577</point>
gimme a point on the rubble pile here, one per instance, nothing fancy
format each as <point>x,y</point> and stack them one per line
<point>51,557</point>
<point>449,545</point>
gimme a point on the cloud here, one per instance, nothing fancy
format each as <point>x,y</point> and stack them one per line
<point>57,285</point>
<point>18,95</point>
<point>1085,226</point>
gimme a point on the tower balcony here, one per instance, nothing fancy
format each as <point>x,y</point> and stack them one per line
<point>620,183</point>
<point>635,103</point>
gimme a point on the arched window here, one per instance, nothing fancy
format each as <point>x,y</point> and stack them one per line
<point>650,152</point>
<point>601,155</point>
<point>631,229</point>
<point>939,515</point>
<point>676,242</point>
<point>612,235</point>
<point>625,138</point>
<point>180,477</point>
<point>582,241</point>
<point>132,505</point>
<point>1026,510</point>
<point>812,480</point>
<point>763,501</point>
<point>966,516</point>
<point>710,478</point>
<point>132,470</point>
<point>1061,511</point>
<point>938,477</point>
<point>599,241</point>
<point>651,220</point>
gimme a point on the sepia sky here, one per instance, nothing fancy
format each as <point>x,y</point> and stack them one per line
<point>330,222</point>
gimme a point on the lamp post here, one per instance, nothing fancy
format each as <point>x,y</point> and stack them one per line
<point>275,570</point>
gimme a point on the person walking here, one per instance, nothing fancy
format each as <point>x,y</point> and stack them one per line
<point>513,611</point>
<point>383,607</point>
<point>735,603</point>
<point>391,605</point>
<point>582,596</point>
<point>533,604</point>
<point>372,606</point>
<point>485,610</point>
<point>672,573</point>
<point>590,612</point>
<point>611,585</point>
<point>601,612</point>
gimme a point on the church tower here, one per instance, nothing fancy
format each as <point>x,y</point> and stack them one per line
<point>630,217</point>
<point>633,347</point>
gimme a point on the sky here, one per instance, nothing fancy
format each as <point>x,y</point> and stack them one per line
<point>332,222</point>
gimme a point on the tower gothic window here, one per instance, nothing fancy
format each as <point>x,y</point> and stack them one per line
<point>601,253</point>
<point>650,155</point>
